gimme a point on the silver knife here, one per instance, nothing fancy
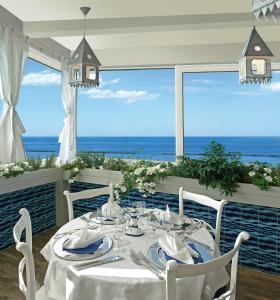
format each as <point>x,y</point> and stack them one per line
<point>98,262</point>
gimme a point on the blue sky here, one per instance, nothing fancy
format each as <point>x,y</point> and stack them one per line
<point>142,103</point>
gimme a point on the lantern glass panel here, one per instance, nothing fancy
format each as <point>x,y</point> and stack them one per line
<point>75,73</point>
<point>258,66</point>
<point>91,72</point>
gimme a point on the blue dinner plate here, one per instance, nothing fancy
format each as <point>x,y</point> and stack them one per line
<point>159,257</point>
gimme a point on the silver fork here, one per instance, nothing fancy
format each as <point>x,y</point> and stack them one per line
<point>148,261</point>
<point>134,257</point>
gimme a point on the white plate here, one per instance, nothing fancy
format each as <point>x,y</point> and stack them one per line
<point>103,249</point>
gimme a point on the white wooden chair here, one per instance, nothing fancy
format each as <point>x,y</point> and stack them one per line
<point>207,201</point>
<point>29,286</point>
<point>174,270</point>
<point>87,194</point>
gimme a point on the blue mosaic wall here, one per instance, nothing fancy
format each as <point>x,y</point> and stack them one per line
<point>41,204</point>
<point>261,252</point>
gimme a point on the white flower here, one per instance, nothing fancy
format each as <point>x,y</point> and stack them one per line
<point>101,168</point>
<point>268,178</point>
<point>1,173</point>
<point>138,171</point>
<point>17,168</point>
<point>150,171</point>
<point>76,169</point>
<point>252,174</point>
<point>71,180</point>
<point>123,189</point>
<point>267,170</point>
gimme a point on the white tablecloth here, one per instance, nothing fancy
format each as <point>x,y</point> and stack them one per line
<point>123,280</point>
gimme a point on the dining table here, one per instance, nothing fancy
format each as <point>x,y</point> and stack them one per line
<point>124,280</point>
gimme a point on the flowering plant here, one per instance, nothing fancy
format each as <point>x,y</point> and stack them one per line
<point>15,169</point>
<point>143,176</point>
<point>262,175</point>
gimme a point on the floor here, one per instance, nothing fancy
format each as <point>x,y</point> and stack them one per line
<point>251,285</point>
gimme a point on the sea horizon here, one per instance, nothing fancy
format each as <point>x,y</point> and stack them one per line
<point>251,148</point>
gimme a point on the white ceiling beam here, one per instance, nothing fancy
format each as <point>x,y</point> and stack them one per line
<point>175,55</point>
<point>175,38</point>
<point>58,28</point>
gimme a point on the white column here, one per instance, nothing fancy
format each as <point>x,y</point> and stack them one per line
<point>179,94</point>
<point>68,135</point>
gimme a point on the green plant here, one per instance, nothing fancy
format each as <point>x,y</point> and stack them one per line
<point>34,164</point>
<point>50,162</point>
<point>185,167</point>
<point>92,160</point>
<point>220,170</point>
<point>263,175</point>
<point>12,170</point>
<point>74,168</point>
<point>115,164</point>
<point>143,176</point>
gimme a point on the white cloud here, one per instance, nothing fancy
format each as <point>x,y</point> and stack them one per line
<point>129,96</point>
<point>272,87</point>
<point>44,78</point>
<point>108,82</point>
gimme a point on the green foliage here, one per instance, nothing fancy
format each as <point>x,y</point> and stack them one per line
<point>142,175</point>
<point>263,175</point>
<point>186,167</point>
<point>217,169</point>
<point>50,162</point>
<point>220,170</point>
<point>92,160</point>
<point>34,164</point>
<point>115,164</point>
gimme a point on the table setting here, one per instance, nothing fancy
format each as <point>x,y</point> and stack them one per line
<point>91,258</point>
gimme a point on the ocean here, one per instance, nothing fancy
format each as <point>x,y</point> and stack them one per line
<point>265,149</point>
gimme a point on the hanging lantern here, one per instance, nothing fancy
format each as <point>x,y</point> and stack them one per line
<point>255,63</point>
<point>266,9</point>
<point>84,65</point>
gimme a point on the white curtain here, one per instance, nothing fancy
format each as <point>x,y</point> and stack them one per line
<point>13,53</point>
<point>67,137</point>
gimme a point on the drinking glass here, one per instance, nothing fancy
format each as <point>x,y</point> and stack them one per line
<point>141,205</point>
<point>154,221</point>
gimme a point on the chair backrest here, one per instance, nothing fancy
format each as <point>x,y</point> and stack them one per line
<point>71,197</point>
<point>174,270</point>
<point>23,224</point>
<point>207,201</point>
<point>26,265</point>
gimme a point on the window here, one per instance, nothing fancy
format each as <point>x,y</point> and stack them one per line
<point>130,115</point>
<point>244,118</point>
<point>40,109</point>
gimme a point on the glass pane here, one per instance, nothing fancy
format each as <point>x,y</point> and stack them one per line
<point>76,73</point>
<point>40,109</point>
<point>91,73</point>
<point>130,115</point>
<point>243,118</point>
<point>258,66</point>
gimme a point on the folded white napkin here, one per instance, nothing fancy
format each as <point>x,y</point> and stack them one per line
<point>173,246</point>
<point>82,238</point>
<point>172,217</point>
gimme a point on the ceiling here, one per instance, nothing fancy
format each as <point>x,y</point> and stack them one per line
<point>132,33</point>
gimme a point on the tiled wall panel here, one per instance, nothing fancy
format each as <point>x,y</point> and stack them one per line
<point>261,252</point>
<point>40,202</point>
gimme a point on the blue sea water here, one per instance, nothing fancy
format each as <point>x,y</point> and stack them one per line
<point>266,149</point>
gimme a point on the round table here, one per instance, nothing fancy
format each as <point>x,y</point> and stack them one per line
<point>123,280</point>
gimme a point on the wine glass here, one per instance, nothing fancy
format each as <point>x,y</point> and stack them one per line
<point>154,221</point>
